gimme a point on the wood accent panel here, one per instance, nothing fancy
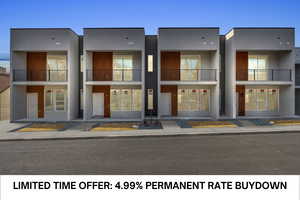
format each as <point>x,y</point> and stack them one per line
<point>242,66</point>
<point>36,66</point>
<point>174,92</point>
<point>170,66</point>
<point>106,90</point>
<point>102,66</point>
<point>40,91</point>
<point>240,89</point>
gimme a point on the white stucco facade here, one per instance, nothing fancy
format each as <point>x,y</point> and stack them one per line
<point>204,42</point>
<point>278,45</point>
<point>56,40</point>
<point>119,41</point>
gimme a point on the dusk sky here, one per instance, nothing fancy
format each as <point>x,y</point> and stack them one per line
<point>78,14</point>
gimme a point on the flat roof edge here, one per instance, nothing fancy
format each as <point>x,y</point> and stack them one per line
<point>69,29</point>
<point>234,28</point>
<point>189,28</point>
<point>116,28</point>
<point>263,28</point>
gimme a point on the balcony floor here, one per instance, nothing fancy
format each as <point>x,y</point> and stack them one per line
<point>113,82</point>
<point>40,83</point>
<point>264,82</point>
<point>188,82</point>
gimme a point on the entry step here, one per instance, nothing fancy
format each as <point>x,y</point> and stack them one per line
<point>169,124</point>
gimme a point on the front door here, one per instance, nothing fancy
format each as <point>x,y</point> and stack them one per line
<point>98,104</point>
<point>165,104</point>
<point>240,100</point>
<point>32,105</point>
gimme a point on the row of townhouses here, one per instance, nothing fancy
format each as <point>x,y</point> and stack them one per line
<point>123,74</point>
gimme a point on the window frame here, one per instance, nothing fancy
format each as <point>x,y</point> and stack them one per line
<point>122,69</point>
<point>185,107</point>
<point>150,63</point>
<point>267,91</point>
<point>189,72</point>
<point>64,69</point>
<point>150,99</point>
<point>120,95</point>
<point>53,99</point>
<point>251,69</point>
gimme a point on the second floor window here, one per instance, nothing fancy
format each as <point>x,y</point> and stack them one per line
<point>189,67</point>
<point>56,67</point>
<point>258,67</point>
<point>122,67</point>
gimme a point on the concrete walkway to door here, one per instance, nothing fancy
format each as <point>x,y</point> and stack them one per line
<point>169,125</point>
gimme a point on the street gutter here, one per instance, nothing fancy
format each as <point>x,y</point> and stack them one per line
<point>126,136</point>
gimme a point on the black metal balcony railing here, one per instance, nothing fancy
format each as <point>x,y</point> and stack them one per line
<point>114,75</point>
<point>265,75</point>
<point>40,75</point>
<point>169,74</point>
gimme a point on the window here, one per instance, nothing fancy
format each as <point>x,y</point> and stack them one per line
<point>49,101</point>
<point>189,67</point>
<point>60,100</point>
<point>257,67</point>
<point>136,100</point>
<point>262,99</point>
<point>193,99</point>
<point>150,63</point>
<point>125,99</point>
<point>55,100</point>
<point>56,67</point>
<point>81,63</point>
<point>250,100</point>
<point>150,99</point>
<point>122,68</point>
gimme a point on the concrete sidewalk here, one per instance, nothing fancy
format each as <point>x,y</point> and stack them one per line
<point>5,135</point>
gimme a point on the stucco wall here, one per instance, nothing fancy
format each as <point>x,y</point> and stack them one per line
<point>230,101</point>
<point>88,102</point>
<point>73,81</point>
<point>215,58</point>
<point>114,39</point>
<point>188,39</point>
<point>19,100</point>
<point>264,39</point>
<point>287,100</point>
<point>40,39</point>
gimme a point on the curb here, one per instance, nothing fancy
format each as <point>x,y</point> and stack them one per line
<point>153,136</point>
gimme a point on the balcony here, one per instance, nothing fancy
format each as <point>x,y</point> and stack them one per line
<point>40,75</point>
<point>264,75</point>
<point>188,74</point>
<point>123,75</point>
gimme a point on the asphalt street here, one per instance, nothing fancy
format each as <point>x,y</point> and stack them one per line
<point>223,154</point>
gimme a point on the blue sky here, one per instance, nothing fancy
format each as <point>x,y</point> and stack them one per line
<point>77,14</point>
